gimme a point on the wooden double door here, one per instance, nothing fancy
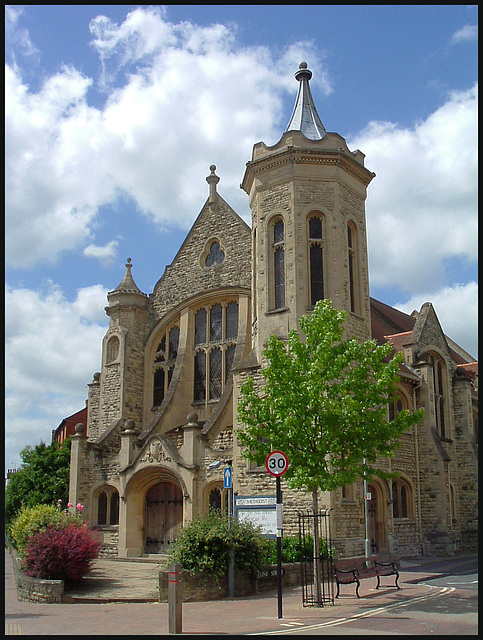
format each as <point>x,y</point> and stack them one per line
<point>164,516</point>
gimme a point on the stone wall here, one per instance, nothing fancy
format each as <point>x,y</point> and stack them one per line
<point>33,589</point>
<point>200,587</point>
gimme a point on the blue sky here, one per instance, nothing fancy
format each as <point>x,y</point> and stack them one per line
<point>115,113</point>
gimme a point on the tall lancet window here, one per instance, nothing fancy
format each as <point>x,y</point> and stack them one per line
<point>316,259</point>
<point>278,249</point>
<point>352,260</point>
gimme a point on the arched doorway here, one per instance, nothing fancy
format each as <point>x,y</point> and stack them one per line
<point>163,516</point>
<point>377,535</point>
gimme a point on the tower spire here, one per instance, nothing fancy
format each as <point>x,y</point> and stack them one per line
<point>127,284</point>
<point>305,117</point>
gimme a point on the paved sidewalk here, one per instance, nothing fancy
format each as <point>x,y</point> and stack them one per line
<point>256,614</point>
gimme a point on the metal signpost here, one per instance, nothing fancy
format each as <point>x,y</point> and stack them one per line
<point>228,484</point>
<point>276,465</point>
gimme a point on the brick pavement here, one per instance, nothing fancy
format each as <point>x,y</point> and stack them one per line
<point>247,615</point>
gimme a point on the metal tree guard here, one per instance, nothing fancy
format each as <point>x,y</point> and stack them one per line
<point>323,594</point>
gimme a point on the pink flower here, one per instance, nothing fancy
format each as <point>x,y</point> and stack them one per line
<point>69,504</point>
<point>79,506</point>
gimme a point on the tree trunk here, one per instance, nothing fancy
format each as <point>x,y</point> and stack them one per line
<point>317,564</point>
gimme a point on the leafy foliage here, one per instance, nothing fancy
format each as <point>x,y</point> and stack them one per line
<point>32,520</point>
<point>42,478</point>
<point>64,554</point>
<point>203,545</point>
<point>324,404</point>
<point>291,551</point>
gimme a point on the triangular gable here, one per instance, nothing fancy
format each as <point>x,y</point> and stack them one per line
<point>188,275</point>
<point>427,330</point>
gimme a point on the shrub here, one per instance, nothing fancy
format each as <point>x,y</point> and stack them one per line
<point>203,545</point>
<point>64,554</point>
<point>31,520</point>
<point>291,551</point>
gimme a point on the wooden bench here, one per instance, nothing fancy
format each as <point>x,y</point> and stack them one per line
<point>353,570</point>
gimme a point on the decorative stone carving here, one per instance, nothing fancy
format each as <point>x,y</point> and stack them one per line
<point>155,452</point>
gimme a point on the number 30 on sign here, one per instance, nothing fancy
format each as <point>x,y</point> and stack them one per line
<point>276,463</point>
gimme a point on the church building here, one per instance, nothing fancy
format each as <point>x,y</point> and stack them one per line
<point>162,414</point>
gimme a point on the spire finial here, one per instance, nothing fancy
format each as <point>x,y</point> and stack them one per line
<point>212,180</point>
<point>127,284</point>
<point>305,117</point>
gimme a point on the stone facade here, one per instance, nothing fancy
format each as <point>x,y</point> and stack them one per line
<point>162,410</point>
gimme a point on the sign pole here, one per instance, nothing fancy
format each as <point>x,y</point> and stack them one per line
<point>228,484</point>
<point>279,545</point>
<point>277,464</point>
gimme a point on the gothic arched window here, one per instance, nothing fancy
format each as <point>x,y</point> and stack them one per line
<point>353,267</point>
<point>200,377</point>
<point>316,259</point>
<point>200,326</point>
<point>395,407</point>
<point>107,506</point>
<point>163,364</point>
<point>439,392</point>
<point>401,499</point>
<point>278,252</point>
<point>212,364</point>
<point>216,314</point>
<point>215,373</point>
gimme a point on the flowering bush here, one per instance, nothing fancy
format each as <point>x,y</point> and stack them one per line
<point>61,555</point>
<point>31,520</point>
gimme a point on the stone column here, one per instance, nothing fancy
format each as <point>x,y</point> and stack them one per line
<point>77,455</point>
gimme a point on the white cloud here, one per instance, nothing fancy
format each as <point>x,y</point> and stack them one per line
<point>468,33</point>
<point>56,174</point>
<point>17,39</point>
<point>105,254</point>
<point>52,349</point>
<point>187,97</point>
<point>422,204</point>
<point>457,311</point>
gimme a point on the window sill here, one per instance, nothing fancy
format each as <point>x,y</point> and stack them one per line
<point>276,311</point>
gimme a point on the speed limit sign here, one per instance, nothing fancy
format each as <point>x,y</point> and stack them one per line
<point>276,463</point>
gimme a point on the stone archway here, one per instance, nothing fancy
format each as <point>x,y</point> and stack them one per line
<point>163,516</point>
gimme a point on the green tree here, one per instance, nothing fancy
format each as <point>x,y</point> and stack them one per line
<point>324,404</point>
<point>43,478</point>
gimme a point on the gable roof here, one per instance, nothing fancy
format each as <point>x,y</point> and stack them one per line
<point>397,327</point>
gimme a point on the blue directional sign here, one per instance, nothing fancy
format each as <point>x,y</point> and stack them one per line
<point>227,478</point>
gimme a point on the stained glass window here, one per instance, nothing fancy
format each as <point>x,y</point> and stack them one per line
<point>216,315</point>
<point>173,343</point>
<point>229,355</point>
<point>316,260</point>
<point>215,373</point>
<point>200,327</point>
<point>352,266</point>
<point>232,320</point>
<point>216,255</point>
<point>316,274</point>
<point>200,377</point>
<point>158,387</point>
<point>278,265</point>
